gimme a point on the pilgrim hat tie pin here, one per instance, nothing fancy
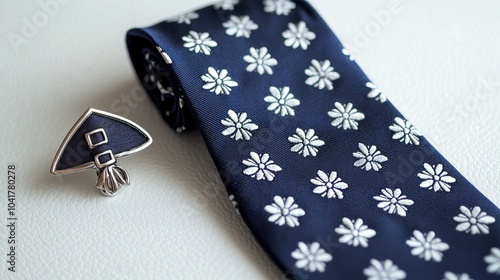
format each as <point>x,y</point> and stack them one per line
<point>96,140</point>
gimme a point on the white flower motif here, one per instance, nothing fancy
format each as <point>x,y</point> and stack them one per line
<point>329,185</point>
<point>493,261</point>
<point>354,232</point>
<point>435,178</point>
<point>186,18</point>
<point>452,276</point>
<point>473,221</point>
<point>260,60</point>
<point>383,270</point>
<point>151,79</point>
<point>240,26</point>
<point>348,53</point>
<point>165,92</point>
<point>369,157</point>
<point>298,35</point>
<point>345,116</point>
<point>321,74</point>
<point>199,42</point>
<point>280,7</point>
<point>284,211</point>
<point>226,4</point>
<point>376,93</point>
<point>181,101</point>
<point>239,126</point>
<point>281,101</point>
<point>311,257</point>
<point>235,203</point>
<point>393,202</point>
<point>427,246</point>
<point>306,143</point>
<point>218,81</point>
<point>405,131</point>
<point>260,167</point>
<point>164,55</point>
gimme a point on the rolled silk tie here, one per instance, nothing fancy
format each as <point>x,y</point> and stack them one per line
<point>331,179</point>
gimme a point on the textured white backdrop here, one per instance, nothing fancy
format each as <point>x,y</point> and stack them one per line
<point>437,61</point>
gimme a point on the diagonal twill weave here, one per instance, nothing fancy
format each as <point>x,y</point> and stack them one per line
<point>332,180</point>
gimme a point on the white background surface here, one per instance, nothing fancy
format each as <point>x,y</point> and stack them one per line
<point>437,61</point>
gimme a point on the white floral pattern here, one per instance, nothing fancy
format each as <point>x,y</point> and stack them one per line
<point>239,126</point>
<point>181,101</point>
<point>393,201</point>
<point>240,26</point>
<point>427,246</point>
<point>493,261</point>
<point>218,81</point>
<point>305,142</point>
<point>280,7</point>
<point>281,101</point>
<point>354,232</point>
<point>298,36</point>
<point>284,211</point>
<point>329,185</point>
<point>452,276</point>
<point>164,55</point>
<point>383,270</point>
<point>199,42</point>
<point>186,18</point>
<point>234,203</point>
<point>435,178</point>
<point>260,60</point>
<point>260,167</point>
<point>226,4</point>
<point>311,257</point>
<point>165,92</point>
<point>369,158</point>
<point>405,131</point>
<point>473,221</point>
<point>321,74</point>
<point>376,93</point>
<point>345,116</point>
<point>348,53</point>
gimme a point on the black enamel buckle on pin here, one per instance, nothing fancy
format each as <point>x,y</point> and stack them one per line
<point>96,140</point>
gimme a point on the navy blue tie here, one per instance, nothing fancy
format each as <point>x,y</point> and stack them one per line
<point>332,180</point>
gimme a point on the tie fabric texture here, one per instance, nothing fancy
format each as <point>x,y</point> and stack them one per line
<point>332,180</point>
